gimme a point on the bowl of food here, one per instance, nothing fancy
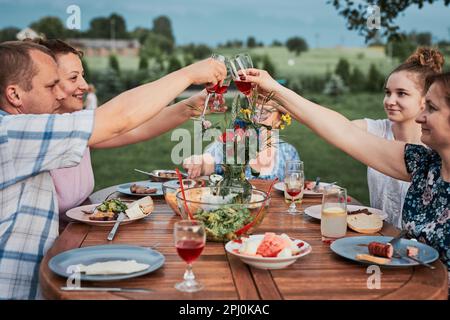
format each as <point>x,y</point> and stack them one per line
<point>170,189</point>
<point>222,212</point>
<point>269,250</point>
<point>164,175</point>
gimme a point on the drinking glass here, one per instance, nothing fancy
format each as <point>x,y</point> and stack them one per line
<point>220,87</point>
<point>190,237</point>
<point>333,224</point>
<point>240,63</point>
<point>293,185</point>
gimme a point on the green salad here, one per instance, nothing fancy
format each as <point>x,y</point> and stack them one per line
<point>114,205</point>
<point>222,222</point>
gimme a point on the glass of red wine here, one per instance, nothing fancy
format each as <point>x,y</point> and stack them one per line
<point>219,88</point>
<point>190,240</point>
<point>239,64</point>
<point>293,185</point>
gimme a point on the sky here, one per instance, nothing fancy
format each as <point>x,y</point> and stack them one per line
<point>213,22</point>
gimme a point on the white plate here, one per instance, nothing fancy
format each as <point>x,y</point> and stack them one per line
<point>315,211</point>
<point>280,187</point>
<point>77,215</point>
<point>232,247</point>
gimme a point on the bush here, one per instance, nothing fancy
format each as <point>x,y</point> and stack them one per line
<point>114,63</point>
<point>375,80</point>
<point>143,63</point>
<point>357,80</point>
<point>108,84</point>
<point>174,64</point>
<point>335,86</point>
<point>309,83</point>
<point>343,70</point>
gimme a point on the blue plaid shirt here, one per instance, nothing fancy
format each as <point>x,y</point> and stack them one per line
<point>30,146</point>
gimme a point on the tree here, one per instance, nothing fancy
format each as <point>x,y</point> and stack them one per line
<point>174,64</point>
<point>297,44</point>
<point>276,43</point>
<point>335,86</point>
<point>375,79</point>
<point>140,34</point>
<point>251,42</point>
<point>357,80</point>
<point>103,28</point>
<point>9,34</point>
<point>143,63</point>
<point>400,47</point>
<point>156,45</point>
<point>163,26</point>
<point>356,14</point>
<point>268,65</point>
<point>51,27</point>
<point>343,70</point>
<point>114,63</point>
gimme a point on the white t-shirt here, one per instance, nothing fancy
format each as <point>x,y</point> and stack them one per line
<point>386,193</point>
<point>91,101</point>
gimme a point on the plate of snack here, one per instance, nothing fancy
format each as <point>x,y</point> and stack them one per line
<point>309,190</point>
<point>378,250</point>
<point>106,262</point>
<point>107,212</point>
<point>269,250</point>
<point>141,188</point>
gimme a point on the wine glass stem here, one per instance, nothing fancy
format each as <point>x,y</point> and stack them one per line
<point>188,274</point>
<point>292,207</point>
<point>205,106</point>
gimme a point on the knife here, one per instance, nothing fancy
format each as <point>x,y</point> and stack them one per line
<point>316,186</point>
<point>105,289</point>
<point>116,226</point>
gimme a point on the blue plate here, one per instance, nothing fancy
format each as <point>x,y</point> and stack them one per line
<point>60,263</point>
<point>125,188</point>
<point>350,247</point>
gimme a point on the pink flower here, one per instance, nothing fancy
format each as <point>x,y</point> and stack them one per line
<point>206,124</point>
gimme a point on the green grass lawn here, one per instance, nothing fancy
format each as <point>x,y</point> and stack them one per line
<point>114,166</point>
<point>313,62</point>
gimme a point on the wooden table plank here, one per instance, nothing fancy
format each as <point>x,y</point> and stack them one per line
<point>319,275</point>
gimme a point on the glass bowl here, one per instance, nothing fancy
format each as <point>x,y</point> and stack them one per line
<point>221,215</point>
<point>170,189</point>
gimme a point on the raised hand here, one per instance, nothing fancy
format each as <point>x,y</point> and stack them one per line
<point>262,78</point>
<point>206,71</point>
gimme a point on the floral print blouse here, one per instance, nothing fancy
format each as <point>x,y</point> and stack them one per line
<point>426,212</point>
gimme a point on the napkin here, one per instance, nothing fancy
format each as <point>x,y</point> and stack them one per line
<point>113,267</point>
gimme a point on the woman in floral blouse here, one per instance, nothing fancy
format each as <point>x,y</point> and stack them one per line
<point>426,212</point>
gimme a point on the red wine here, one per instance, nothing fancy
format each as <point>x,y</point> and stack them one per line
<point>293,192</point>
<point>217,89</point>
<point>189,250</point>
<point>244,87</point>
<point>222,89</point>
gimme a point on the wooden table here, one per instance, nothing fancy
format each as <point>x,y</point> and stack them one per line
<point>319,275</point>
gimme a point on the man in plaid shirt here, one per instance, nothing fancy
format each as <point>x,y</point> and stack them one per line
<point>31,145</point>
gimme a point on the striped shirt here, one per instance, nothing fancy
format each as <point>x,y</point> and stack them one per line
<point>30,146</point>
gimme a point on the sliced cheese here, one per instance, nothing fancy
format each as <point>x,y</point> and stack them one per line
<point>370,258</point>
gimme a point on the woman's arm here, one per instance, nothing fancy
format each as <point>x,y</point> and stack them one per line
<point>360,123</point>
<point>380,154</point>
<point>134,107</point>
<point>169,118</point>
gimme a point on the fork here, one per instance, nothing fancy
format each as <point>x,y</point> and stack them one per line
<point>398,255</point>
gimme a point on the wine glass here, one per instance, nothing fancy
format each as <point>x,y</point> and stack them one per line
<point>190,237</point>
<point>240,63</point>
<point>333,222</point>
<point>293,185</point>
<point>220,87</point>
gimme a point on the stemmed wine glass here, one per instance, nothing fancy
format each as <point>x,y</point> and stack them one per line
<point>219,88</point>
<point>190,238</point>
<point>294,182</point>
<point>240,63</point>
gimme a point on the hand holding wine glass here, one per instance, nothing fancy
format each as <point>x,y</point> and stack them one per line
<point>190,238</point>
